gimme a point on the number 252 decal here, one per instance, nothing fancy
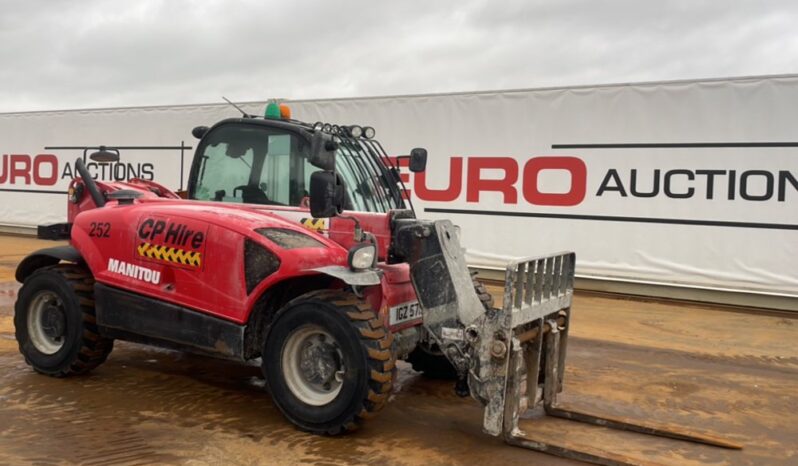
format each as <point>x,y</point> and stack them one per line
<point>100,230</point>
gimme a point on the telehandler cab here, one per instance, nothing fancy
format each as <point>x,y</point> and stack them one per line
<point>315,262</point>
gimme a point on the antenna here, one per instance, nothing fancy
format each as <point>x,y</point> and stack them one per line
<point>246,115</point>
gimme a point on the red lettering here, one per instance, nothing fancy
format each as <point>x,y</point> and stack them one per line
<point>17,171</point>
<point>503,185</point>
<point>573,165</point>
<point>451,192</point>
<point>4,169</point>
<point>38,177</point>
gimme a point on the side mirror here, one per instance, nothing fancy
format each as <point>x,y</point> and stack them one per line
<point>322,151</point>
<point>105,155</point>
<point>326,194</point>
<point>199,131</point>
<point>418,160</point>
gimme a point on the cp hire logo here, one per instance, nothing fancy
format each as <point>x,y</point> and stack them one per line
<point>174,242</point>
<point>136,272</point>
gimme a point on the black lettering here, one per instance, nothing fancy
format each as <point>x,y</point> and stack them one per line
<point>100,230</point>
<point>120,175</point>
<point>612,175</point>
<point>92,169</point>
<point>145,229</point>
<point>173,235</point>
<point>186,235</point>
<point>633,185</point>
<point>732,183</point>
<point>67,172</point>
<point>147,172</point>
<point>132,171</point>
<point>668,192</point>
<point>744,185</point>
<point>159,227</point>
<point>785,176</point>
<point>196,241</point>
<point>710,174</point>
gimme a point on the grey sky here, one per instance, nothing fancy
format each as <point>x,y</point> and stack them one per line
<point>94,53</point>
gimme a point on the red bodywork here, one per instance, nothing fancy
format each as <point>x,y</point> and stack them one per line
<point>191,253</point>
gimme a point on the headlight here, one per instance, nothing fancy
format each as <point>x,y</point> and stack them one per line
<point>368,132</point>
<point>362,256</point>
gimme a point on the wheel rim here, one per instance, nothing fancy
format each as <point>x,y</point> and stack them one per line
<point>46,322</point>
<point>313,365</point>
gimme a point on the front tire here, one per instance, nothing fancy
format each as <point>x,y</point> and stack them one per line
<point>55,322</point>
<point>328,362</point>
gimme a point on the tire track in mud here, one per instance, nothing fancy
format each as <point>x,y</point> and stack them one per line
<point>128,411</point>
<point>744,399</point>
<point>150,406</point>
<point>156,406</point>
<point>53,424</point>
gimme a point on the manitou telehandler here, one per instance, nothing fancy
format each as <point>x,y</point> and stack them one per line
<point>296,245</point>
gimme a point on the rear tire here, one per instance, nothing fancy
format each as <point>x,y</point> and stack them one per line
<point>328,362</point>
<point>428,358</point>
<point>55,322</point>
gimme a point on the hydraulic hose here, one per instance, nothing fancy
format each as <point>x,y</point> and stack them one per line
<point>94,191</point>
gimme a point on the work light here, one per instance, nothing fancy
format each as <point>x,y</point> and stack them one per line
<point>355,131</point>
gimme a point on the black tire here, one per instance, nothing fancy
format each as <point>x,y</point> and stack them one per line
<point>83,348</point>
<point>365,348</point>
<point>429,360</point>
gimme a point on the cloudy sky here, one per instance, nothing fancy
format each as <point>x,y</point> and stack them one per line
<point>95,53</point>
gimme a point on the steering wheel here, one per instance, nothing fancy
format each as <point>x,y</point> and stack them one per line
<point>251,194</point>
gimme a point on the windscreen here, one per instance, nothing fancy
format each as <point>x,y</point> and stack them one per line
<point>372,185</point>
<point>256,164</point>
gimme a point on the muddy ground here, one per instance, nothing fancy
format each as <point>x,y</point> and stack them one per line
<point>734,373</point>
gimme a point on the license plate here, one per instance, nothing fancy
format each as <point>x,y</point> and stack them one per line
<point>405,312</point>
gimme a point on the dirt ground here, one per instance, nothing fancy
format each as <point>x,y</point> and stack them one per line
<point>733,373</point>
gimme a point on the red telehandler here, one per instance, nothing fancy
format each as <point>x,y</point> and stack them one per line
<point>297,246</point>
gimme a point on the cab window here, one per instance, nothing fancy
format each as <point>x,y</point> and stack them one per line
<point>254,165</point>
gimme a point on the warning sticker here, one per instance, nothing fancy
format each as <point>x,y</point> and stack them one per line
<point>170,254</point>
<point>314,224</point>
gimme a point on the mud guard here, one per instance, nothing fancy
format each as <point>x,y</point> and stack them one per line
<point>44,258</point>
<point>351,277</point>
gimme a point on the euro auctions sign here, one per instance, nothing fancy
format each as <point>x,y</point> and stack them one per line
<point>26,171</point>
<point>694,183</point>
<point>690,182</point>
<point>678,183</point>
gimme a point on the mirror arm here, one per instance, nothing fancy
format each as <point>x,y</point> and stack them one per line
<point>358,230</point>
